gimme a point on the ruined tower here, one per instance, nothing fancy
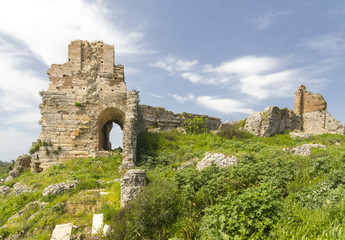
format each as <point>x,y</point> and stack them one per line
<point>85,97</point>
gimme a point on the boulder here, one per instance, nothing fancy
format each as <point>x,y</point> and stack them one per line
<point>219,159</point>
<point>305,149</point>
<point>58,188</point>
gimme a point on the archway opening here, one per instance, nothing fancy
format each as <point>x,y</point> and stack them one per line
<point>113,136</point>
<point>110,126</point>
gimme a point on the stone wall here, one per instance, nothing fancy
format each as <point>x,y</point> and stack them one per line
<point>271,121</point>
<point>162,119</point>
<point>309,116</point>
<point>85,97</point>
<point>308,102</point>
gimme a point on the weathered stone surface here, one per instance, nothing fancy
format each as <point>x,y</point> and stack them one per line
<point>188,164</point>
<point>305,149</point>
<point>308,102</point>
<point>29,206</point>
<point>86,96</point>
<point>4,190</point>
<point>21,163</point>
<point>62,232</point>
<point>160,119</point>
<point>19,188</point>
<point>58,188</point>
<point>271,121</point>
<point>297,133</point>
<point>97,224</point>
<point>219,159</point>
<point>309,116</point>
<point>320,122</point>
<point>131,182</point>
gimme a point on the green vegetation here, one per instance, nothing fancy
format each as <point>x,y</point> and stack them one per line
<point>269,194</point>
<point>5,167</point>
<point>77,104</point>
<point>75,206</point>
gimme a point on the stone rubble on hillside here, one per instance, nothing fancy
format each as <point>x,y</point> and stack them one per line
<point>305,149</point>
<point>58,188</point>
<point>21,163</point>
<point>219,159</point>
<point>188,164</point>
<point>30,205</point>
<point>4,190</point>
<point>131,182</point>
<point>297,133</point>
<point>62,232</point>
<point>19,188</point>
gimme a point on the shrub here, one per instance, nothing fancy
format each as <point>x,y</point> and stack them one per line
<point>195,124</point>
<point>252,213</point>
<point>154,209</point>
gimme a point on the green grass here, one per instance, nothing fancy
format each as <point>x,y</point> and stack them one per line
<point>76,206</point>
<point>269,194</point>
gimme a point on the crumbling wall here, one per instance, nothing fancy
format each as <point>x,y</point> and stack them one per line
<point>85,97</point>
<point>308,102</point>
<point>271,121</point>
<point>309,116</point>
<point>162,119</point>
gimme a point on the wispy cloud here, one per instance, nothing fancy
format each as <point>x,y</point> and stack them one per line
<point>223,105</point>
<point>264,21</point>
<point>182,99</point>
<point>327,44</point>
<point>254,76</point>
<point>174,65</point>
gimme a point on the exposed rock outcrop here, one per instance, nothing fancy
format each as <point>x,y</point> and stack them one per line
<point>219,159</point>
<point>19,188</point>
<point>271,121</point>
<point>305,149</point>
<point>22,162</point>
<point>58,188</point>
<point>131,182</point>
<point>4,190</point>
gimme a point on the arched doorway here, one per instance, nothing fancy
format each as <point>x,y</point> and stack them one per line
<point>106,128</point>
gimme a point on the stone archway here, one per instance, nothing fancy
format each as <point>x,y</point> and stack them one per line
<point>105,123</point>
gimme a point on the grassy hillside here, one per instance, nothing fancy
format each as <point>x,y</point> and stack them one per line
<point>270,194</point>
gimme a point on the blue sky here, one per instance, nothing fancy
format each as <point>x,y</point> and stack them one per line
<point>224,58</point>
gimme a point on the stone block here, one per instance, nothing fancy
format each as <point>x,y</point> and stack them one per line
<point>62,232</point>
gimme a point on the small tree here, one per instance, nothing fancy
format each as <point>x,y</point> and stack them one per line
<point>195,124</point>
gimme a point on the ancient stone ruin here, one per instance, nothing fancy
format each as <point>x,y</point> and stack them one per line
<point>85,97</point>
<point>309,116</point>
<point>88,94</point>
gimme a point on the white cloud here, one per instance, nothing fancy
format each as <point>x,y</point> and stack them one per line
<point>174,65</point>
<point>255,76</point>
<point>47,26</point>
<point>264,21</point>
<point>247,65</point>
<point>182,99</point>
<point>223,105</point>
<point>327,44</point>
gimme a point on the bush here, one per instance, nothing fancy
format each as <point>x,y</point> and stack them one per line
<point>250,214</point>
<point>195,124</point>
<point>153,210</point>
